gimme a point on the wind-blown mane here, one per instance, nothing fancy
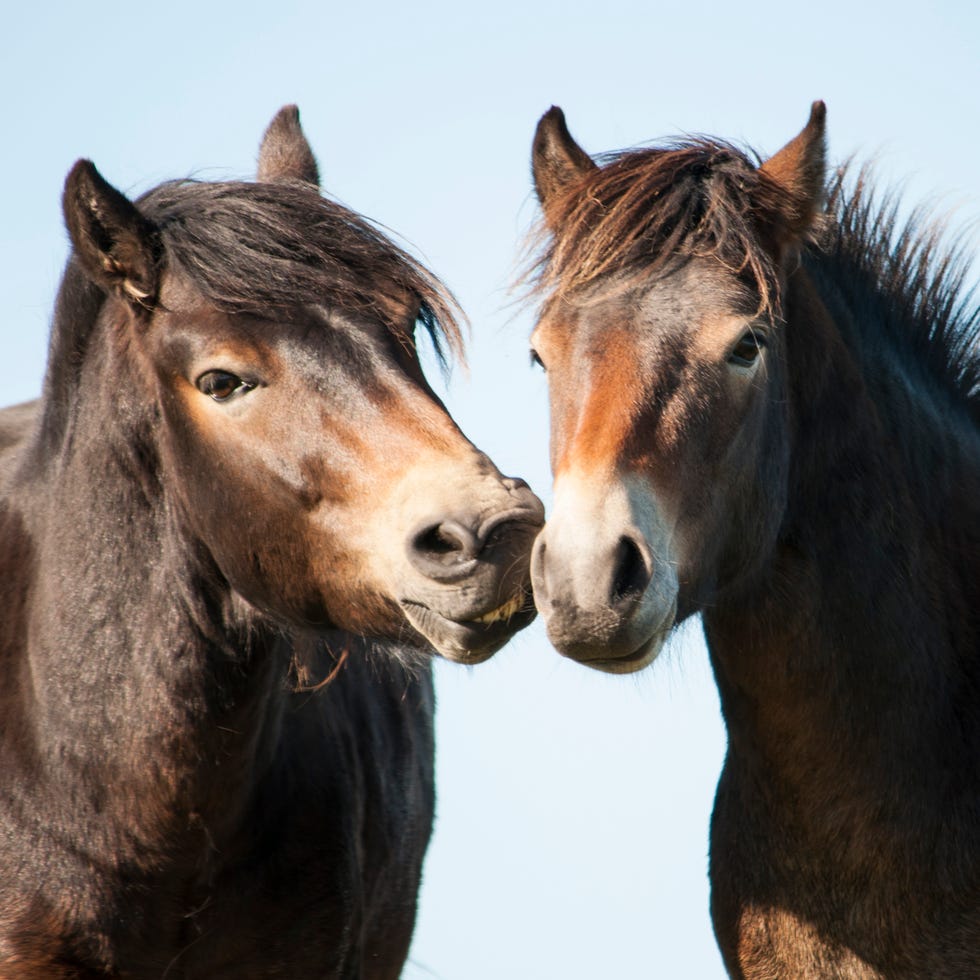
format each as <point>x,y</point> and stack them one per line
<point>646,211</point>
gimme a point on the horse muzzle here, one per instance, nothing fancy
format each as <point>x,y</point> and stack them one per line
<point>603,577</point>
<point>466,586</point>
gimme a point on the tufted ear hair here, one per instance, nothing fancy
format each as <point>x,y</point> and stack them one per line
<point>285,154</point>
<point>800,168</point>
<point>556,159</point>
<point>118,248</point>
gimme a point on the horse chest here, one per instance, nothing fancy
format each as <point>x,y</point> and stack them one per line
<point>857,906</point>
<point>322,865</point>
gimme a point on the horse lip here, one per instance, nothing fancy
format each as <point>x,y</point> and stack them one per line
<point>471,641</point>
<point>604,640</point>
<point>516,515</point>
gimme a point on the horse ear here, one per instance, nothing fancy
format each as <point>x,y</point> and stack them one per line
<point>118,248</point>
<point>556,159</point>
<point>285,154</point>
<point>799,168</point>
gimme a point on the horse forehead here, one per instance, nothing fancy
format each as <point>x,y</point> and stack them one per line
<point>697,289</point>
<point>618,358</point>
<point>619,342</point>
<point>694,292</point>
<point>298,333</point>
<point>178,294</point>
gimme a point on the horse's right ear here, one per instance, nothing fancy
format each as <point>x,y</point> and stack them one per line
<point>799,168</point>
<point>285,153</point>
<point>118,248</point>
<point>556,159</point>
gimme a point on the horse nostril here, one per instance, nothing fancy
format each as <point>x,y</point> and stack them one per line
<point>539,571</point>
<point>513,483</point>
<point>441,548</point>
<point>631,575</point>
<point>448,540</point>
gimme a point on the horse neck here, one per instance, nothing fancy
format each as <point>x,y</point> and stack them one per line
<point>848,673</point>
<point>140,676</point>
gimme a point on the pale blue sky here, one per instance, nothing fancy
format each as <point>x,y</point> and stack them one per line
<point>572,831</point>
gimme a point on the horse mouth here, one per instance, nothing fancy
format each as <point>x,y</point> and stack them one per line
<point>475,639</point>
<point>504,612</point>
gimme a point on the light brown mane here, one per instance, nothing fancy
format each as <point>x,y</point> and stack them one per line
<point>647,210</point>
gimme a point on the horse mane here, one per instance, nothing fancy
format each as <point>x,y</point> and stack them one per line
<point>646,211</point>
<point>256,247</point>
<point>915,273</point>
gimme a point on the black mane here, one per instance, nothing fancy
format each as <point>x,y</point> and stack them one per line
<point>256,246</point>
<point>910,277</point>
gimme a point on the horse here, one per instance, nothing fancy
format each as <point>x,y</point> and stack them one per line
<point>764,388</point>
<point>233,529</point>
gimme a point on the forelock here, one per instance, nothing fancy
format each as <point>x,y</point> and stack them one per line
<point>644,212</point>
<point>263,247</point>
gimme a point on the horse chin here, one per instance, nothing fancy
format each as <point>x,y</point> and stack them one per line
<point>471,640</point>
<point>629,663</point>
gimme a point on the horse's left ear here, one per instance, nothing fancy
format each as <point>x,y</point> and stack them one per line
<point>800,168</point>
<point>118,247</point>
<point>285,154</point>
<point>556,159</point>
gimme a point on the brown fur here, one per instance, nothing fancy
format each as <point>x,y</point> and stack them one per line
<point>827,500</point>
<point>227,487</point>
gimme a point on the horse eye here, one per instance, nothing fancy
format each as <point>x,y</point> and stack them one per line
<point>221,385</point>
<point>536,360</point>
<point>747,349</point>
